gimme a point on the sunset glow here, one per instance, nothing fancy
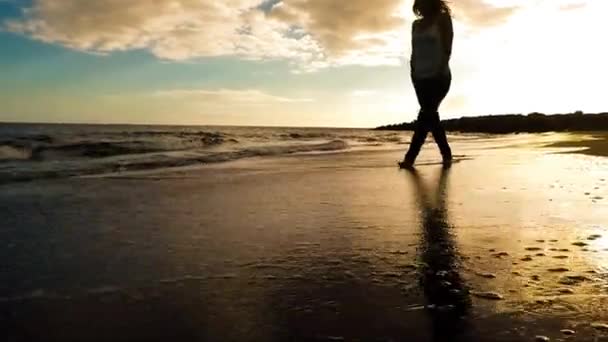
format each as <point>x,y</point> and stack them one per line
<point>289,62</point>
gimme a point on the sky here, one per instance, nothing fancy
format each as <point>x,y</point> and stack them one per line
<point>341,63</point>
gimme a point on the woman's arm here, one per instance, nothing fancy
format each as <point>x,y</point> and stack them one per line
<point>414,25</point>
<point>447,33</point>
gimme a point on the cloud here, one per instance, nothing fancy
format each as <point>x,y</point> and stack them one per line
<point>479,14</point>
<point>337,25</point>
<point>312,34</point>
<point>170,29</point>
<point>573,6</point>
<point>223,96</point>
<point>363,93</point>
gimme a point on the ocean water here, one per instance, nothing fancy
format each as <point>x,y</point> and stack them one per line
<point>30,152</point>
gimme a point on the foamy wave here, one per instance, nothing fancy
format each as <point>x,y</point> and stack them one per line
<point>152,161</point>
<point>8,153</point>
<point>165,161</point>
<point>92,150</point>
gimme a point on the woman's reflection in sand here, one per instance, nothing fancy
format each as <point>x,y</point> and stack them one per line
<point>448,301</point>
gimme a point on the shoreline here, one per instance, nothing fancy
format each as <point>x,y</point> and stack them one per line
<point>590,143</point>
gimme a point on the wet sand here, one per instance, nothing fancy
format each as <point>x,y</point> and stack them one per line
<point>594,143</point>
<point>508,244</point>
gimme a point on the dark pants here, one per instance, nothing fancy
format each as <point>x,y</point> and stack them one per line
<point>430,93</point>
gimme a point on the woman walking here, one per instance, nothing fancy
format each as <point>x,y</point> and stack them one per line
<point>432,37</point>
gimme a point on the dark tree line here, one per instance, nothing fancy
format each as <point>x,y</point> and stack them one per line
<point>517,123</point>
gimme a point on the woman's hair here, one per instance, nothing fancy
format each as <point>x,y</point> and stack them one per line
<point>430,8</point>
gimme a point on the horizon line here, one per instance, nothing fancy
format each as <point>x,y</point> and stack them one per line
<point>9,122</point>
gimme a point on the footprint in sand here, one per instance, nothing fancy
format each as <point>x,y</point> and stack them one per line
<point>561,257</point>
<point>540,241</point>
<point>563,250</point>
<point>573,280</point>
<point>485,275</point>
<point>527,258</point>
<point>540,254</point>
<point>558,269</point>
<point>600,326</point>
<point>593,237</point>
<point>580,244</point>
<point>533,249</point>
<point>565,291</point>
<point>488,295</point>
<point>500,255</point>
<point>535,278</point>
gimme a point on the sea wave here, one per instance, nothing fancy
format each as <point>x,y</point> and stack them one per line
<point>154,160</point>
<point>191,157</point>
<point>91,150</point>
<point>106,144</point>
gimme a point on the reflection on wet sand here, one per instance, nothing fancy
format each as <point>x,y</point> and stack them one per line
<point>446,293</point>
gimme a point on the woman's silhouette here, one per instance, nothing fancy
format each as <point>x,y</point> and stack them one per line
<point>432,36</point>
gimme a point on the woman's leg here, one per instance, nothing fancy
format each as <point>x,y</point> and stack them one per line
<point>423,90</point>
<point>441,90</point>
<point>416,144</point>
